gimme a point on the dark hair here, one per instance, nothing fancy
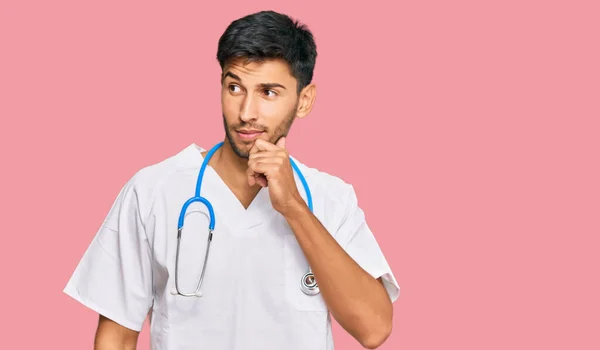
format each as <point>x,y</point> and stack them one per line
<point>270,35</point>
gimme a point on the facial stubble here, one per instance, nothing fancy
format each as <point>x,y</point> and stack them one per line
<point>281,131</point>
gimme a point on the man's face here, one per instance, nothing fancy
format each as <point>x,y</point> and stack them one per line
<point>259,100</point>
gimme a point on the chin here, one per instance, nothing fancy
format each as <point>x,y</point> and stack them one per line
<point>242,149</point>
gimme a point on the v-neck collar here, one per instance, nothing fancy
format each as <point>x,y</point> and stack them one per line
<point>225,203</point>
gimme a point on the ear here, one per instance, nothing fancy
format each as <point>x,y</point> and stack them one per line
<point>306,100</point>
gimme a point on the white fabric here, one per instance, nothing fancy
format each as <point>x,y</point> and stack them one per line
<point>251,292</point>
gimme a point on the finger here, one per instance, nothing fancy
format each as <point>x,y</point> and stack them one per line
<point>255,176</point>
<point>251,177</point>
<point>266,160</point>
<point>281,142</point>
<point>262,180</point>
<point>263,145</point>
<point>267,166</point>
<point>253,150</point>
<point>259,145</point>
<point>262,167</point>
<point>267,154</point>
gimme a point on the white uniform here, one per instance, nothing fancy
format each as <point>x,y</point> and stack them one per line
<point>251,291</point>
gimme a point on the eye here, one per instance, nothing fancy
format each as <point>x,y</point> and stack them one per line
<point>234,88</point>
<point>270,93</point>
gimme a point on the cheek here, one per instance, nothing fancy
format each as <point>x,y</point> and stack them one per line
<point>228,102</point>
<point>268,110</point>
<point>274,112</point>
<point>229,111</point>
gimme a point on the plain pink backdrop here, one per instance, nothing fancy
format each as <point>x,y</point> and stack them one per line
<point>487,112</point>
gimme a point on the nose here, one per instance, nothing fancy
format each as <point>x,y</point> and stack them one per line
<point>249,108</point>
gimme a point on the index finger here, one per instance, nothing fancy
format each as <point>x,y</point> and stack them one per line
<point>263,145</point>
<point>254,149</point>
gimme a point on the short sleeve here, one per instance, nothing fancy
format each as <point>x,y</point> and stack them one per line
<point>114,276</point>
<point>357,239</point>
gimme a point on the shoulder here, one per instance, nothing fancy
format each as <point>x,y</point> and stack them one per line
<point>151,174</point>
<point>333,189</point>
<point>334,199</point>
<point>147,180</point>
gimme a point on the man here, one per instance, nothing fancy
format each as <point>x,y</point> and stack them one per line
<point>265,236</point>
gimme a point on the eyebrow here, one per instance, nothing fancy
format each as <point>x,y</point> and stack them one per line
<point>262,85</point>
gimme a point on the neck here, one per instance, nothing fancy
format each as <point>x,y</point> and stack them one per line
<point>232,169</point>
<point>226,159</point>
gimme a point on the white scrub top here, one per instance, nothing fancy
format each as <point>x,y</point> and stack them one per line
<point>251,291</point>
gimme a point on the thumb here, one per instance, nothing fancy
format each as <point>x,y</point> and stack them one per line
<point>281,142</point>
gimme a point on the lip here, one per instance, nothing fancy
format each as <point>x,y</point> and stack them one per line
<point>249,134</point>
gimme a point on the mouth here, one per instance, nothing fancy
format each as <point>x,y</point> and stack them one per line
<point>249,135</point>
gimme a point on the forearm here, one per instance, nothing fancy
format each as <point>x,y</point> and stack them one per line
<point>114,344</point>
<point>356,300</point>
<point>112,336</point>
<point>112,341</point>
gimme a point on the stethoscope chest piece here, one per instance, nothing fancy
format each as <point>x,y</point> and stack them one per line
<point>309,284</point>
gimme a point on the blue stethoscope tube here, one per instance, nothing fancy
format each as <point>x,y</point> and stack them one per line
<point>308,283</point>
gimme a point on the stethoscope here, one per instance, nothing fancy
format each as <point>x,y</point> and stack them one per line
<point>308,283</point>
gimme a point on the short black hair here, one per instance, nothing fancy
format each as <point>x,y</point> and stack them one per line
<point>270,35</point>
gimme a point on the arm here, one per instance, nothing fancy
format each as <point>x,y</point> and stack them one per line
<point>112,336</point>
<point>356,300</point>
<point>359,302</point>
<point>114,276</point>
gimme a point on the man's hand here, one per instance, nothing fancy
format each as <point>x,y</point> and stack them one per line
<point>269,165</point>
<point>358,302</point>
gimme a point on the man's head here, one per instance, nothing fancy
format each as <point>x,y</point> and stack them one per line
<point>267,61</point>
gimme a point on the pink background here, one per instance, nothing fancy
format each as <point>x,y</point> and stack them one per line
<point>490,112</point>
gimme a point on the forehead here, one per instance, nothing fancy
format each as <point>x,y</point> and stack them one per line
<point>259,72</point>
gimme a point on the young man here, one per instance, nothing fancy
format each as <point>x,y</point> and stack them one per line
<point>269,229</point>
